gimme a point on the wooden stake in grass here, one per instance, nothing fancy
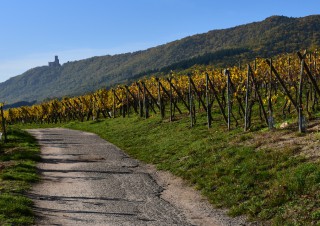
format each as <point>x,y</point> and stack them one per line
<point>123,108</point>
<point>3,122</point>
<point>246,118</point>
<point>114,103</point>
<point>208,101</point>
<point>127,98</point>
<point>227,73</point>
<point>145,101</point>
<point>171,99</point>
<point>160,99</point>
<point>190,103</point>
<point>300,112</point>
<point>270,119</point>
<point>139,101</point>
<point>315,99</point>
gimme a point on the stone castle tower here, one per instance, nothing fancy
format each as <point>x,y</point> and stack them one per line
<point>55,63</point>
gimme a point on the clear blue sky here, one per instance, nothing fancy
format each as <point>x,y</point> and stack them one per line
<point>33,31</point>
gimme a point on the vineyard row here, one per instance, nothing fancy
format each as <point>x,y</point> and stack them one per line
<point>286,86</point>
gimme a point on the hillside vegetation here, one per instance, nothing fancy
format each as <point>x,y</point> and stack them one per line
<point>274,35</point>
<point>179,123</point>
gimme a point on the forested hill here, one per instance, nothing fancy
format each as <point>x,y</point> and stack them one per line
<point>276,34</point>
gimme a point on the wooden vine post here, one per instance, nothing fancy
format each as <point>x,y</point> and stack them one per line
<point>300,111</point>
<point>315,69</point>
<point>315,96</point>
<point>114,103</point>
<point>160,99</point>
<point>140,105</point>
<point>145,101</point>
<point>128,106</point>
<point>246,115</point>
<point>227,73</point>
<point>3,122</point>
<point>191,103</point>
<point>123,106</point>
<point>171,99</point>
<point>208,101</point>
<point>270,119</point>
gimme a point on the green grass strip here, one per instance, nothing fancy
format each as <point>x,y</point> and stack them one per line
<point>18,159</point>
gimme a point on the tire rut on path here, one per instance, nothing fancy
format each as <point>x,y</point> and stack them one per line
<point>88,181</point>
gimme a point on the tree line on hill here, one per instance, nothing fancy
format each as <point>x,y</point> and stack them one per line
<point>274,35</point>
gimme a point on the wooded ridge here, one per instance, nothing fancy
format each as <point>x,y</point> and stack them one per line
<point>274,35</point>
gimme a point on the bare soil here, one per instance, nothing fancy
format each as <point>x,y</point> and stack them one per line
<point>288,138</point>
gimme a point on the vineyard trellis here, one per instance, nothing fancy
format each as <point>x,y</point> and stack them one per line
<point>271,87</point>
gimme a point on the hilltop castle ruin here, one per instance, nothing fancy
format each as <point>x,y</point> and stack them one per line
<point>55,63</point>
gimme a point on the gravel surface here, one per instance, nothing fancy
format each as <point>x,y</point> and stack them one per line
<point>89,181</point>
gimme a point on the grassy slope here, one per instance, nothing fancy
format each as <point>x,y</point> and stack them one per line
<point>270,185</point>
<point>17,171</point>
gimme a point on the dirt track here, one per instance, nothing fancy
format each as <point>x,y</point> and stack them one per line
<point>88,181</point>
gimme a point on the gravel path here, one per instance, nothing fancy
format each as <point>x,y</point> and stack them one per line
<point>88,181</point>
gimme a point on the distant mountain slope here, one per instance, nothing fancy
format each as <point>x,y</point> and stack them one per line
<point>276,34</point>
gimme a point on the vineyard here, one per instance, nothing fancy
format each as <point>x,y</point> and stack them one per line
<point>267,176</point>
<point>262,93</point>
